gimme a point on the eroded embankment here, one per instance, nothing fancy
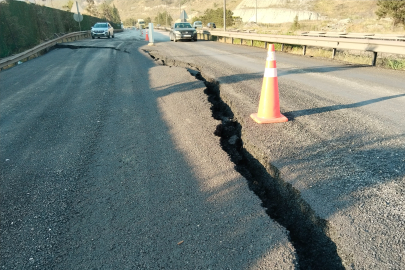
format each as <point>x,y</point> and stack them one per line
<point>308,233</point>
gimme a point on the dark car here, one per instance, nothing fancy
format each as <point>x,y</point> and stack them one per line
<point>182,30</point>
<point>102,29</point>
<point>211,25</point>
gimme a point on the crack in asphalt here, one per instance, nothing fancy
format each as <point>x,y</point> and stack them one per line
<point>75,47</point>
<point>308,233</point>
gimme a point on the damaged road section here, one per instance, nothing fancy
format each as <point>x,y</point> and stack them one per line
<point>75,47</point>
<point>308,233</point>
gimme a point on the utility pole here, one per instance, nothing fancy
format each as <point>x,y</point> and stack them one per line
<point>78,15</point>
<point>224,15</point>
<point>256,11</point>
<point>166,12</point>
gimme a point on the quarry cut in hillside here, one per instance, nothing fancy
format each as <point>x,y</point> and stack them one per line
<point>275,11</point>
<point>269,11</point>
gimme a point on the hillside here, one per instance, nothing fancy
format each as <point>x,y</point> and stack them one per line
<point>150,8</point>
<point>276,11</point>
<point>316,15</point>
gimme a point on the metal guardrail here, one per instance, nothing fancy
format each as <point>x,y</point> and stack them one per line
<point>347,41</point>
<point>8,61</point>
<point>355,35</point>
<point>374,45</point>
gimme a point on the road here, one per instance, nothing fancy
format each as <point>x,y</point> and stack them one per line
<point>103,167</point>
<point>109,160</point>
<point>337,165</point>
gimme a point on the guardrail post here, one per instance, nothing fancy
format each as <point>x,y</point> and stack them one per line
<point>265,44</point>
<point>232,41</point>
<point>304,50</point>
<point>241,41</point>
<point>333,53</point>
<point>251,43</point>
<point>282,47</point>
<point>374,59</point>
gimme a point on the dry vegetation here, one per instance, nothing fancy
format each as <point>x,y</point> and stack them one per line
<point>150,8</point>
<point>339,15</point>
<point>355,16</point>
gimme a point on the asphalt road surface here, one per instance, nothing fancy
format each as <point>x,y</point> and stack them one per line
<point>110,160</point>
<point>338,165</point>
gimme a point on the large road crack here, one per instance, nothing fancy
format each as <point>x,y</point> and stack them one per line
<point>75,47</point>
<point>309,234</point>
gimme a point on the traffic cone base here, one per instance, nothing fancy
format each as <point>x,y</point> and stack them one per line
<point>261,120</point>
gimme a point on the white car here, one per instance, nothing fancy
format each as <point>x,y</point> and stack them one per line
<point>102,29</point>
<point>197,24</point>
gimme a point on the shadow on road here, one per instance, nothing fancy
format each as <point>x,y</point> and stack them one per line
<point>295,114</point>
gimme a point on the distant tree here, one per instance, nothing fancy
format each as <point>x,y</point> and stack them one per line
<point>105,11</point>
<point>68,5</point>
<point>216,16</point>
<point>148,20</point>
<point>394,9</point>
<point>115,15</point>
<point>92,8</point>
<point>161,18</point>
<point>197,18</point>
<point>109,13</point>
<point>296,25</point>
<point>130,22</point>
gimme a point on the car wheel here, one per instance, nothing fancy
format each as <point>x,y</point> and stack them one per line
<point>108,35</point>
<point>98,37</point>
<point>92,37</point>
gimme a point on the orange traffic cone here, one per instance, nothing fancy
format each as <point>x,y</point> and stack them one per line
<point>147,37</point>
<point>269,106</point>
